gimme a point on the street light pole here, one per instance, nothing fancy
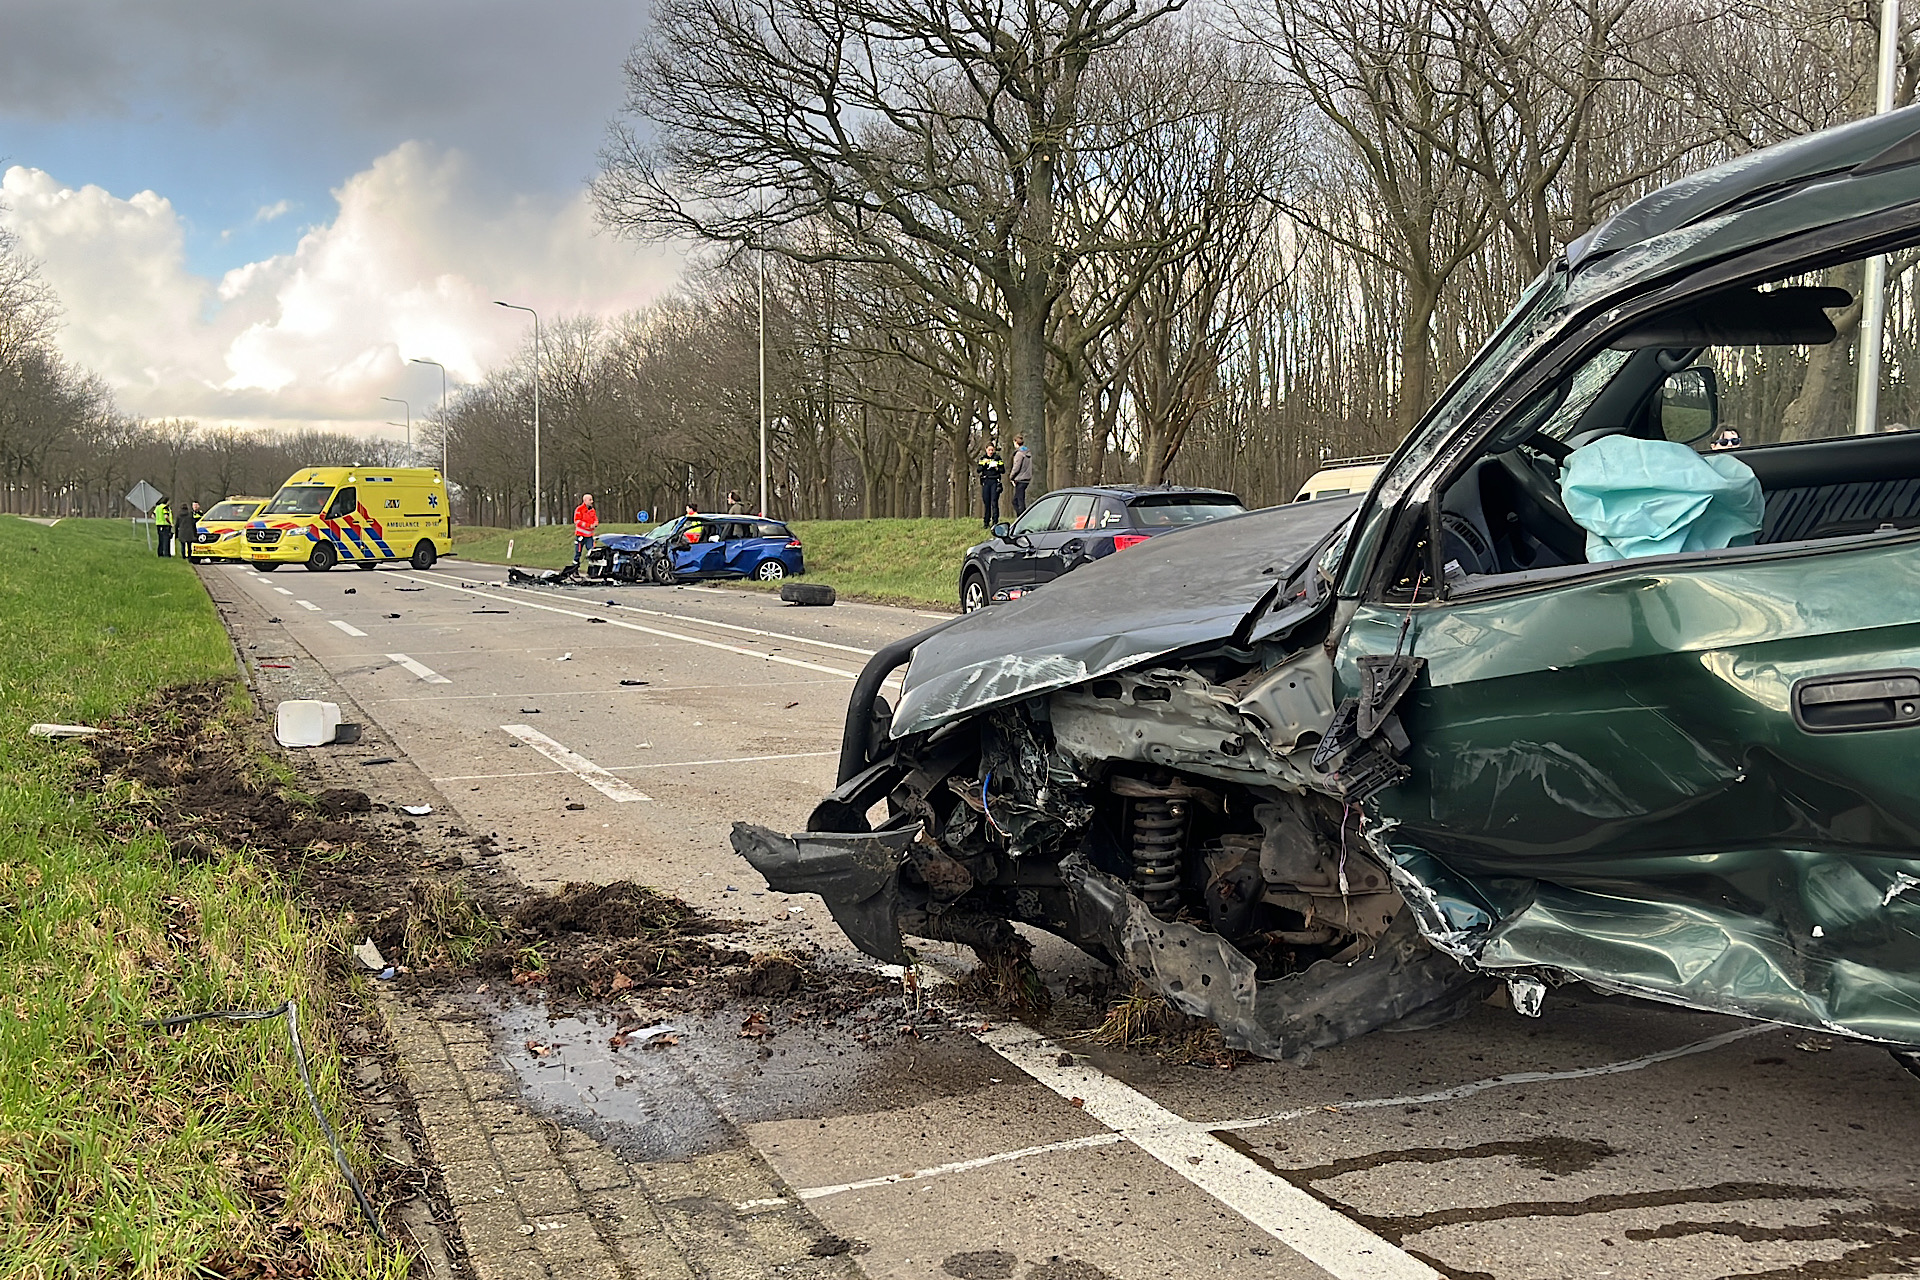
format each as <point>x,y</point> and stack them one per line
<point>443,410</point>
<point>536,404</point>
<point>409,408</point>
<point>1873,288</point>
<point>762,263</point>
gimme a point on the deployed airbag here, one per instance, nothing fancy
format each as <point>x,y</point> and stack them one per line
<point>1655,498</point>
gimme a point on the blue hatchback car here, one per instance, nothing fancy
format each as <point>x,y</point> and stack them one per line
<point>730,547</point>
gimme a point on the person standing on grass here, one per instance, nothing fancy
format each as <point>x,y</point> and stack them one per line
<point>183,525</point>
<point>990,467</point>
<point>163,526</point>
<point>1020,474</point>
<point>585,521</point>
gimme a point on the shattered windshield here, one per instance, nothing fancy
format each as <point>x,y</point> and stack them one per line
<point>299,500</point>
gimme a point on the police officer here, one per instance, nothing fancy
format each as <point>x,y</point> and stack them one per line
<point>990,468</point>
<point>163,527</point>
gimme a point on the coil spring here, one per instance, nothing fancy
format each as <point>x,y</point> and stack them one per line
<point>1159,828</point>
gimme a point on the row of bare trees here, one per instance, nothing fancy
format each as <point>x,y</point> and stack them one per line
<point>1164,243</point>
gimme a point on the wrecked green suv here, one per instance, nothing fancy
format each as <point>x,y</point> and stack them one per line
<point>1574,694</point>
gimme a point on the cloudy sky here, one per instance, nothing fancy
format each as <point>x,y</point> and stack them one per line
<point>257,211</point>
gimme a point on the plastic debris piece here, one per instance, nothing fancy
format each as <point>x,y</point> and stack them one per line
<point>61,730</point>
<point>632,683</point>
<point>305,722</point>
<point>351,591</point>
<point>379,760</point>
<point>1527,994</point>
<point>368,954</point>
<point>565,657</point>
<point>417,810</point>
<point>393,615</point>
<point>386,974</point>
<point>596,619</point>
<point>529,711</point>
<point>489,610</point>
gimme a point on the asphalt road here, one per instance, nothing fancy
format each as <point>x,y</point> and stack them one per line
<point>1607,1137</point>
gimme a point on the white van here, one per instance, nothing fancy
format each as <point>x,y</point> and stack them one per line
<point>1341,476</point>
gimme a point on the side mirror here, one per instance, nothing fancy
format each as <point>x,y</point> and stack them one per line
<point>1689,405</point>
<point>1003,531</point>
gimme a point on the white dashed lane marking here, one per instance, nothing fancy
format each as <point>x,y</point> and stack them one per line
<point>283,591</point>
<point>347,627</point>
<point>420,669</point>
<point>308,605</point>
<point>578,765</point>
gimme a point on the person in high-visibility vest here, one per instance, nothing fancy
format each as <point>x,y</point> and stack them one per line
<point>585,521</point>
<point>163,526</point>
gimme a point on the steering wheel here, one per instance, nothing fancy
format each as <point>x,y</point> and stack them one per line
<point>1537,498</point>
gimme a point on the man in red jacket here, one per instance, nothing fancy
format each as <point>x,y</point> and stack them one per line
<point>585,521</point>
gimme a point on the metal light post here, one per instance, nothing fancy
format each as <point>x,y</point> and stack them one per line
<point>536,404</point>
<point>1873,288</point>
<point>762,263</point>
<point>443,410</point>
<point>409,408</point>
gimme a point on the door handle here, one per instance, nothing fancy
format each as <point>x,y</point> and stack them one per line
<point>1857,700</point>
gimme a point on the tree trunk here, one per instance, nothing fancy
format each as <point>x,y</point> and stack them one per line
<point>1027,384</point>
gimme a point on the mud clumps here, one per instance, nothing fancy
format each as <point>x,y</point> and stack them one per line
<point>338,802</point>
<point>771,975</point>
<point>621,909</point>
<point>1143,1019</point>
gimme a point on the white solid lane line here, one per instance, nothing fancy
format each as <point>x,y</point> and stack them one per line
<point>1323,1236</point>
<point>347,627</point>
<point>1451,1094</point>
<point>751,631</point>
<point>283,591</point>
<point>581,767</point>
<point>308,605</point>
<point>419,669</point>
<point>525,603</point>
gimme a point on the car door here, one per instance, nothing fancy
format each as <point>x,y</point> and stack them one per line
<point>1686,775</point>
<point>1008,561</point>
<point>744,547</point>
<point>1065,545</point>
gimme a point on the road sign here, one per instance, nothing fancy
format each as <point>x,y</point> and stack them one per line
<point>143,496</point>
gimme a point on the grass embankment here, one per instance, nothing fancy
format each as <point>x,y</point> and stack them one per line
<point>126,1149</point>
<point>908,562</point>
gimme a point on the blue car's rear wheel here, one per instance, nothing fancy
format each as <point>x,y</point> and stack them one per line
<point>770,571</point>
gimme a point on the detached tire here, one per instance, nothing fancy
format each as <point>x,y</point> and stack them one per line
<point>807,593</point>
<point>324,557</point>
<point>424,555</point>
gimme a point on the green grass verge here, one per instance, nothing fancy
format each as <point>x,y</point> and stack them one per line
<point>126,1150</point>
<point>906,562</point>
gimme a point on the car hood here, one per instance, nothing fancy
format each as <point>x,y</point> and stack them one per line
<point>1171,592</point>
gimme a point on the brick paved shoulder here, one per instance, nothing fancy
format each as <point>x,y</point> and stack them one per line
<point>534,1199</point>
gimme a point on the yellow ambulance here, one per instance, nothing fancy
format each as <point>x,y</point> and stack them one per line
<point>363,516</point>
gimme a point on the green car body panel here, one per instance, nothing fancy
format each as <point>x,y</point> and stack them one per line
<point>1608,782</point>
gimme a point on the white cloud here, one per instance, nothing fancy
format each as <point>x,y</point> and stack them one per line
<point>268,212</point>
<point>408,267</point>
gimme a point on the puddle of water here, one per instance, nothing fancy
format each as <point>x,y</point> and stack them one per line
<point>682,1099</point>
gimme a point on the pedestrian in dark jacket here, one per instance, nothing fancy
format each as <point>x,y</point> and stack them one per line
<point>990,467</point>
<point>163,527</point>
<point>1020,474</point>
<point>183,526</point>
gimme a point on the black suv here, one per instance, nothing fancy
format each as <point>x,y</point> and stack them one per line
<point>1069,527</point>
